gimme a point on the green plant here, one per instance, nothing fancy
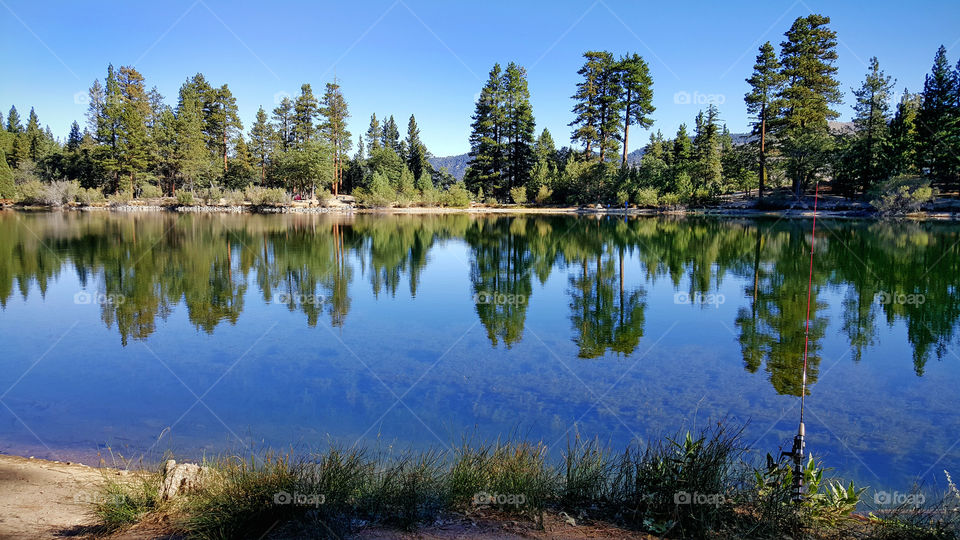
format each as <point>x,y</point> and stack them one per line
<point>88,196</point>
<point>211,195</point>
<point>902,195</point>
<point>456,196</point>
<point>123,503</point>
<point>185,198</point>
<point>543,195</point>
<point>519,195</point>
<point>261,196</point>
<point>149,191</point>
<point>120,198</point>
<point>234,197</point>
<point>646,197</point>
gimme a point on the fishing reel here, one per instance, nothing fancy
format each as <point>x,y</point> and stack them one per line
<point>796,455</point>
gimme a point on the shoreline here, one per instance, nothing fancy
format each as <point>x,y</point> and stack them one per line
<point>715,212</point>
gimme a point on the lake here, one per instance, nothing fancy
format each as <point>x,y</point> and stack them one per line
<point>138,334</point>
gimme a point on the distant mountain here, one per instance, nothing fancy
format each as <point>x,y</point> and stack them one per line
<point>457,165</point>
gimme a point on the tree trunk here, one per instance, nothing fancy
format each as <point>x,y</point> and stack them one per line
<point>626,130</point>
<point>763,151</point>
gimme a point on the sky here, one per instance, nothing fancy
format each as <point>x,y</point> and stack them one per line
<point>430,58</point>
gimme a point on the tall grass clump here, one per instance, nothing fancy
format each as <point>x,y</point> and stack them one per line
<point>123,503</point>
<point>512,476</point>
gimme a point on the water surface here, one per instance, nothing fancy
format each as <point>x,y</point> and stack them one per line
<point>140,334</point>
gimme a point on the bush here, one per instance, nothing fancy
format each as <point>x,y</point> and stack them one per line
<point>324,197</point>
<point>380,193</point>
<point>456,196</point>
<point>519,194</point>
<point>491,201</point>
<point>902,196</point>
<point>52,194</point>
<point>430,197</point>
<point>185,198</point>
<point>88,196</point>
<point>31,192</point>
<point>211,195</point>
<point>646,197</point>
<point>234,197</point>
<point>670,200</point>
<point>261,196</point>
<point>150,191</point>
<point>543,195</point>
<point>121,197</point>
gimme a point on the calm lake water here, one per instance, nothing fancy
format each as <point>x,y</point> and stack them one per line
<point>140,334</point>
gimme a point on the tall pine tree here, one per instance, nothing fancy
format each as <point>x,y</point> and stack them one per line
<point>765,85</point>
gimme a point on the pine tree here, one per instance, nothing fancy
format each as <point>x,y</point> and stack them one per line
<point>870,121</point>
<point>191,150</point>
<point>333,128</point>
<point>391,135</point>
<point>636,87</point>
<point>283,117</point>
<point>6,178</point>
<point>937,120</point>
<point>903,135</point>
<point>765,85</point>
<point>519,128</point>
<point>222,121</point>
<point>305,111</point>
<point>13,121</point>
<point>74,138</point>
<point>131,131</point>
<point>486,136</point>
<point>33,136</point>
<point>597,105</point>
<point>374,133</point>
<point>706,148</point>
<point>807,56</point>
<point>416,151</point>
<point>263,142</point>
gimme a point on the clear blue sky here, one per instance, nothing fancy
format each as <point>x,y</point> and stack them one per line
<point>430,57</point>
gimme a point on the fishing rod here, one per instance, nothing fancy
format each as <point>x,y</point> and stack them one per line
<point>799,441</point>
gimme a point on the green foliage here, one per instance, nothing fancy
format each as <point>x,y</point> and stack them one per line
<point>543,195</point>
<point>185,198</point>
<point>456,196</point>
<point>89,196</point>
<point>646,197</point>
<point>122,503</point>
<point>261,196</point>
<point>902,196</point>
<point>7,189</point>
<point>519,195</point>
<point>149,191</point>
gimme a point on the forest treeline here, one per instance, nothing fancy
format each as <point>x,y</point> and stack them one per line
<point>213,268</point>
<point>899,153</point>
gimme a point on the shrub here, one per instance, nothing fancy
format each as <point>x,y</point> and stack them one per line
<point>185,198</point>
<point>88,196</point>
<point>491,201</point>
<point>52,194</point>
<point>670,199</point>
<point>380,193</point>
<point>324,197</point>
<point>261,196</point>
<point>31,192</point>
<point>519,194</point>
<point>456,196</point>
<point>543,195</point>
<point>211,195</point>
<point>902,196</point>
<point>150,191</point>
<point>430,197</point>
<point>646,197</point>
<point>121,197</point>
<point>234,197</point>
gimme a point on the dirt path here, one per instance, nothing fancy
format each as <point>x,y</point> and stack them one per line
<point>45,499</point>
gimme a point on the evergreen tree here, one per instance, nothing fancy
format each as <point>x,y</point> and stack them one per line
<point>870,121</point>
<point>33,136</point>
<point>416,151</point>
<point>391,135</point>
<point>283,117</point>
<point>191,150</point>
<point>636,86</point>
<point>937,119</point>
<point>519,126</point>
<point>74,138</point>
<point>222,121</point>
<point>765,85</point>
<point>810,88</point>
<point>904,135</point>
<point>132,151</point>
<point>598,104</point>
<point>374,133</point>
<point>6,178</point>
<point>13,121</point>
<point>333,128</point>
<point>305,112</point>
<point>486,136</point>
<point>706,146</point>
<point>263,142</point>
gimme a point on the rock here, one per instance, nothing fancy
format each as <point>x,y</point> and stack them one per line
<point>182,478</point>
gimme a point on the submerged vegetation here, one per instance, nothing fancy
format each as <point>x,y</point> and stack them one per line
<point>135,145</point>
<point>687,486</point>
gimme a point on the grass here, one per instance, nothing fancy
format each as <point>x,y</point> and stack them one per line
<point>686,486</point>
